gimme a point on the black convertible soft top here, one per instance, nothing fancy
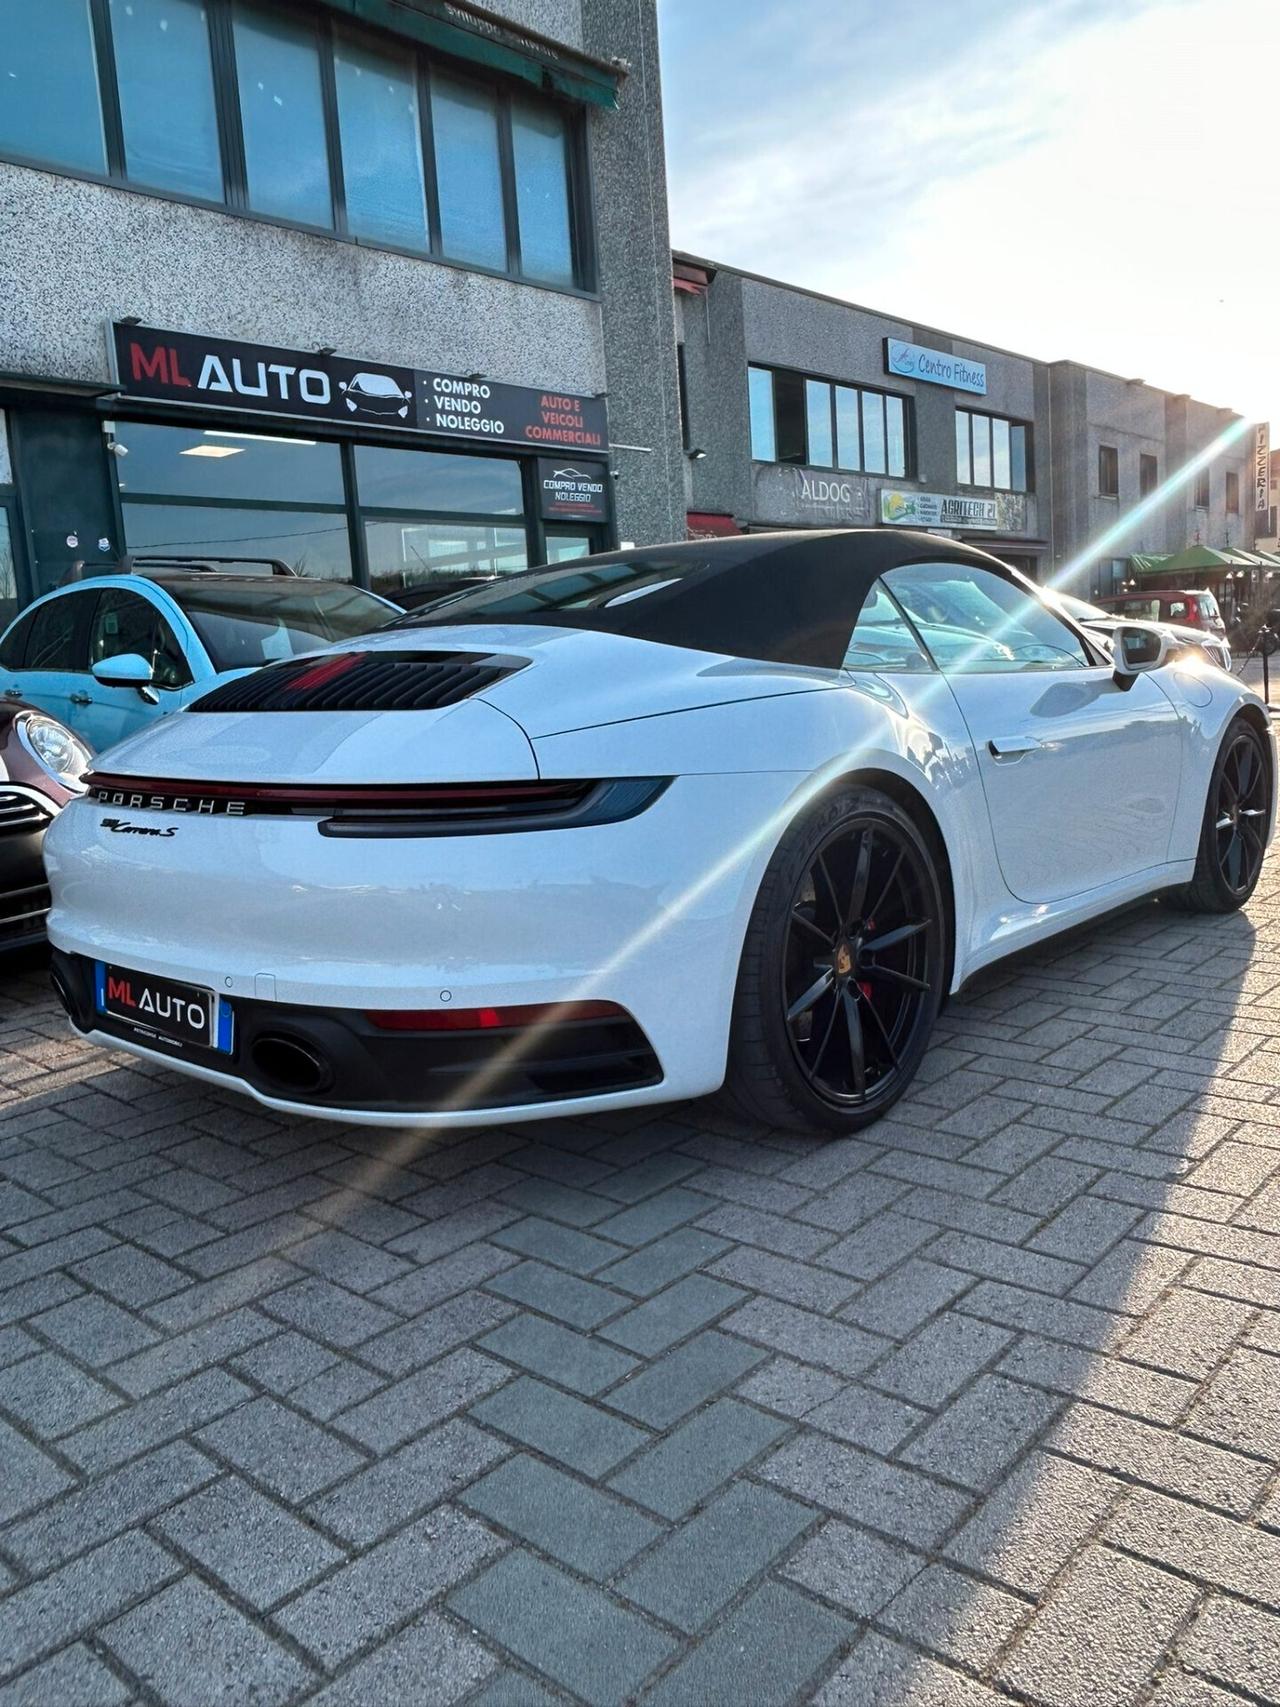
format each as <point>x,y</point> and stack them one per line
<point>786,598</point>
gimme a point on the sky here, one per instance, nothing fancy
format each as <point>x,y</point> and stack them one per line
<point>1098,179</point>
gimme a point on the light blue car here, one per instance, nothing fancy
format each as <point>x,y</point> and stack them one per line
<point>107,656</point>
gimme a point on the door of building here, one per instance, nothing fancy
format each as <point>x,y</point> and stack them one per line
<point>565,542</point>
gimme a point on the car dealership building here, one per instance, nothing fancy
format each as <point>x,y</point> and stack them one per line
<point>387,300</point>
<point>801,410</point>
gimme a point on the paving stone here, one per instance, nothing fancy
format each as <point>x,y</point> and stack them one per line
<point>574,1634</point>
<point>184,1353</point>
<point>94,1330</point>
<point>328,1313</point>
<point>558,1354</point>
<point>580,1303</point>
<point>1108,1381</point>
<point>336,1389</point>
<point>582,1527</point>
<point>68,1602</point>
<point>790,1387</point>
<point>30,1475</point>
<point>990,1260</point>
<point>428,1664</point>
<point>130,1276</point>
<point>512,1689</point>
<point>194,1650</point>
<point>803,1284</point>
<point>1234,1556</point>
<point>857,1570</point>
<point>687,1578</point>
<point>419,1401</point>
<point>254,1547</point>
<point>153,1421</point>
<point>1101,1635</point>
<point>275,1446</point>
<point>1238,1645</point>
<point>866,1418</point>
<point>657,1265</point>
<point>837,1346</point>
<point>407,1482</point>
<point>977,1437</point>
<point>1188,1332</point>
<point>1055,1318</point>
<point>581,1253</point>
<point>938,1360</point>
<point>73,1678</point>
<point>778,1233</point>
<point>682,1469</point>
<point>435,1332</point>
<point>846,1480</point>
<point>368,1598</point>
<point>897,1305</point>
<point>950,1614</point>
<point>672,1315</point>
<point>1162,1458</point>
<point>50,1396</point>
<point>435,1281</point>
<point>877,1247</point>
<point>883,1673</point>
<point>770,1648</point>
<point>656,1215</point>
<point>579,1435</point>
<point>681,1380</point>
<point>285,1361</point>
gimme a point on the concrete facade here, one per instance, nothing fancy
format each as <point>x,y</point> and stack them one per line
<point>728,321</point>
<point>75,253</point>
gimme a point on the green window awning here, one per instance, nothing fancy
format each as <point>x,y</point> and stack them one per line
<point>467,33</point>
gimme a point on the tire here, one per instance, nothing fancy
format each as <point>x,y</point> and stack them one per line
<point>1233,833</point>
<point>874,926</point>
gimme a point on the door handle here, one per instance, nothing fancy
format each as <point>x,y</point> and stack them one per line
<point>13,693</point>
<point>1011,746</point>
<point>80,699</point>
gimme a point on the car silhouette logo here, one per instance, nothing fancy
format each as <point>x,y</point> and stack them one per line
<point>375,394</point>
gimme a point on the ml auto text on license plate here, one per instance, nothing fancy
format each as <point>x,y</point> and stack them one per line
<point>178,1013</point>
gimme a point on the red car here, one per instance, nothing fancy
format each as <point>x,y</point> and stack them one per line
<point>41,763</point>
<point>1160,604</point>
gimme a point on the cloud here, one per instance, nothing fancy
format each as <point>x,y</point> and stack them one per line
<point>1069,177</point>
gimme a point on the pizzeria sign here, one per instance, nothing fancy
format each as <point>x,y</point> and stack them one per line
<point>225,373</point>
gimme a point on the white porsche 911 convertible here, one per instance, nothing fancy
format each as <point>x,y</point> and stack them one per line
<point>737,814</point>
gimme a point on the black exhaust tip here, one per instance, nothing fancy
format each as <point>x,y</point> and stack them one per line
<point>289,1064</point>
<point>62,990</point>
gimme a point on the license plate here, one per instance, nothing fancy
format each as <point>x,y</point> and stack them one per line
<point>178,1013</point>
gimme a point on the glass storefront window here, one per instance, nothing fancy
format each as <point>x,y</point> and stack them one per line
<point>165,77</point>
<point>540,148</point>
<point>895,416</point>
<point>381,135</point>
<point>226,464</point>
<point>848,434</point>
<point>311,542</point>
<point>50,108</point>
<point>873,432</point>
<point>282,116</point>
<point>407,552</point>
<point>1000,468</point>
<point>464,121</point>
<point>435,480</point>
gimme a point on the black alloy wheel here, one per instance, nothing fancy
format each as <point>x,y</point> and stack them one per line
<point>1243,808</point>
<point>843,968</point>
<point>1237,818</point>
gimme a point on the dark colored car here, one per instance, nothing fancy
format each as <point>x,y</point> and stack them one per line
<point>41,763</point>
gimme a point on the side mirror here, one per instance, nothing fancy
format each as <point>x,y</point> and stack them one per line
<point>1136,648</point>
<point>128,670</point>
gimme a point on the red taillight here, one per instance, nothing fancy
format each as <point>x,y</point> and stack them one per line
<point>491,1019</point>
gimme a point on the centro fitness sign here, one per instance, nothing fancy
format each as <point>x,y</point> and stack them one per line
<point>935,367</point>
<point>182,367</point>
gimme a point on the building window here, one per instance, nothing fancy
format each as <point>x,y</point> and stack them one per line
<point>811,421</point>
<point>1233,492</point>
<point>992,451</point>
<point>1108,471</point>
<point>764,441</point>
<point>51,108</point>
<point>1148,475</point>
<point>430,517</point>
<point>282,116</point>
<point>264,108</point>
<point>469,165</point>
<point>164,80</point>
<point>1201,497</point>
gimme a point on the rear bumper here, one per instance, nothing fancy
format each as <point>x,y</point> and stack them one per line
<point>326,1059</point>
<point>307,933</point>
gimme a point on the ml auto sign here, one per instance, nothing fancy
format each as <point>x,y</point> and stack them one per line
<point>223,373</point>
<point>935,367</point>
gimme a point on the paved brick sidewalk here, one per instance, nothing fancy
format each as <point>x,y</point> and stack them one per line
<point>986,1406</point>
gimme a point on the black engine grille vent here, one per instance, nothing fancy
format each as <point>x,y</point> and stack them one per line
<point>363,681</point>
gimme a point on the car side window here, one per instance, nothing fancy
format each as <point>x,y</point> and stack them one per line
<point>56,638</point>
<point>975,622</point>
<point>13,648</point>
<point>126,622</point>
<point>882,638</point>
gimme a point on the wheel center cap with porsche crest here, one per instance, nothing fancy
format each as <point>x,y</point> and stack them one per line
<point>844,960</point>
